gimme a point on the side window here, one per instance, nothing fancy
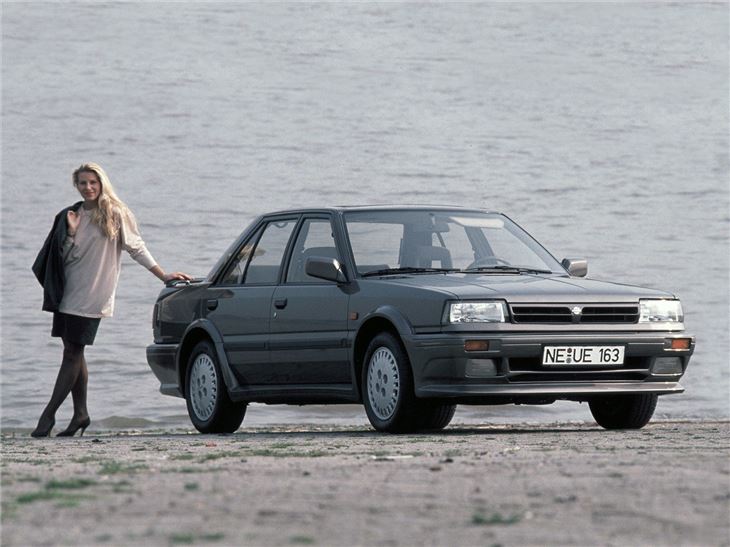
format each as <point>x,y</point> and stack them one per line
<point>264,265</point>
<point>234,275</point>
<point>314,239</point>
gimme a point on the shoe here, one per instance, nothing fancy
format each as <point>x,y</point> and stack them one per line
<point>38,432</point>
<point>72,428</point>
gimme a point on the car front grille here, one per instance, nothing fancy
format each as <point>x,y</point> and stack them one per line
<point>534,364</point>
<point>613,314</point>
<point>531,369</point>
<point>580,376</point>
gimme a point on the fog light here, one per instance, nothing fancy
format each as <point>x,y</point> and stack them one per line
<point>476,345</point>
<point>480,368</point>
<point>680,343</point>
<point>667,365</point>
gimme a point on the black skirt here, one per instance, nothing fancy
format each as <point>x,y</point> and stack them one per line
<point>75,329</point>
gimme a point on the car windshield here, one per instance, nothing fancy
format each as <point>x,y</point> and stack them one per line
<point>412,241</point>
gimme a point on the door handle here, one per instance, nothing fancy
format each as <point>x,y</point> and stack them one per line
<point>280,304</point>
<point>212,304</point>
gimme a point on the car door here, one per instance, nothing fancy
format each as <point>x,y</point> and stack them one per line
<point>240,303</point>
<point>309,316</point>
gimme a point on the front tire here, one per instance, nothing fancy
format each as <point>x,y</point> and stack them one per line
<point>209,406</point>
<point>434,417</point>
<point>387,386</point>
<point>624,411</point>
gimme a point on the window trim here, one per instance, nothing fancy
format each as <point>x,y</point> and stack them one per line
<point>257,234</point>
<point>292,243</point>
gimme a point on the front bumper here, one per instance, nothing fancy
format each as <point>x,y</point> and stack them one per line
<point>511,370</point>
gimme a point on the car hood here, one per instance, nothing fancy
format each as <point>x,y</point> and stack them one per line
<point>528,288</point>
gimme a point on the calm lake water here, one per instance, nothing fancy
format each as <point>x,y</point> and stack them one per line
<point>602,129</point>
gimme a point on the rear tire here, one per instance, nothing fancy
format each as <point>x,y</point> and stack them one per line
<point>209,406</point>
<point>624,411</point>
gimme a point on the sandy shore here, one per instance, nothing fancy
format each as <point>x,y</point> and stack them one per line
<point>668,484</point>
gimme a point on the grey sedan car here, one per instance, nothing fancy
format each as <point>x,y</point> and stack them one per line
<point>410,311</point>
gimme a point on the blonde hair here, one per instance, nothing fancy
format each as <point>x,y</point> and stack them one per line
<point>108,214</point>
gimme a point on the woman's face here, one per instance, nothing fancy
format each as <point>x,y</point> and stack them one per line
<point>88,186</point>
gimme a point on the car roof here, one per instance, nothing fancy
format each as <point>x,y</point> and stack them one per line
<point>347,208</point>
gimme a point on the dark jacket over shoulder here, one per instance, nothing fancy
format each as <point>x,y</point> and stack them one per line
<point>48,265</point>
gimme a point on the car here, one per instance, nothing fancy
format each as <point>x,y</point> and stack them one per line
<point>410,311</point>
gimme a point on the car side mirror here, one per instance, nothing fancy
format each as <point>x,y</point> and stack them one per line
<point>325,268</point>
<point>577,267</point>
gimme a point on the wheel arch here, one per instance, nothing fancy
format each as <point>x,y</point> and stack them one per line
<point>196,332</point>
<point>385,319</point>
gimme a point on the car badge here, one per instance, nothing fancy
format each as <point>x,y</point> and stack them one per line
<point>577,310</point>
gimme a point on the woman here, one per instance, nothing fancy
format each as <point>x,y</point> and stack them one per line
<point>79,269</point>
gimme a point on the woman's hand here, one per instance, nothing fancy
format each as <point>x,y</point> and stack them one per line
<point>177,275</point>
<point>72,222</point>
<point>165,277</point>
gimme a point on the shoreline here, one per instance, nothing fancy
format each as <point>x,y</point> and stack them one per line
<point>140,427</point>
<point>521,484</point>
<point>261,416</point>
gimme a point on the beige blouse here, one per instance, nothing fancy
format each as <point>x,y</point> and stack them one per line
<point>92,263</point>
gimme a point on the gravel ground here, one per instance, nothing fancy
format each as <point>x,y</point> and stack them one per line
<point>567,484</point>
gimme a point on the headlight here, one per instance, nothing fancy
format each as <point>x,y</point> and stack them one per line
<point>660,310</point>
<point>476,312</point>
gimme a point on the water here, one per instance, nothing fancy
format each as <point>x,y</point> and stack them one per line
<point>602,129</point>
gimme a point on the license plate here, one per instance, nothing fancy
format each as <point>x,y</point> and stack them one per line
<point>583,355</point>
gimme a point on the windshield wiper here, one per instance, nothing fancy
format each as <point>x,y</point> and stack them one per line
<point>502,268</point>
<point>406,270</point>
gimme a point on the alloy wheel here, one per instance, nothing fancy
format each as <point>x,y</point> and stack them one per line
<point>204,386</point>
<point>383,383</point>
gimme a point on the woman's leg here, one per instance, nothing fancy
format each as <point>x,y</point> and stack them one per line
<point>78,391</point>
<point>73,357</point>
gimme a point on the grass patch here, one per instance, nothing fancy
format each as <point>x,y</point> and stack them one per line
<point>34,461</point>
<point>68,501</point>
<point>616,475</point>
<point>287,453</point>
<point>187,470</point>
<point>122,487</point>
<point>182,538</point>
<point>190,470</point>
<point>63,499</point>
<point>279,446</point>
<point>38,496</point>
<point>29,479</point>
<point>114,468</point>
<point>8,510</point>
<point>86,459</point>
<point>184,470</point>
<point>56,490</point>
<point>218,456</point>
<point>494,519</point>
<point>70,484</point>
<point>301,540</point>
<point>190,486</point>
<point>212,537</point>
<point>186,456</point>
<point>187,539</point>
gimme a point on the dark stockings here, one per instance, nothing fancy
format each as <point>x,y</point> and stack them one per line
<point>72,377</point>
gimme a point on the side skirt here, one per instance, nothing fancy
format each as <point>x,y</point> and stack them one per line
<point>296,394</point>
